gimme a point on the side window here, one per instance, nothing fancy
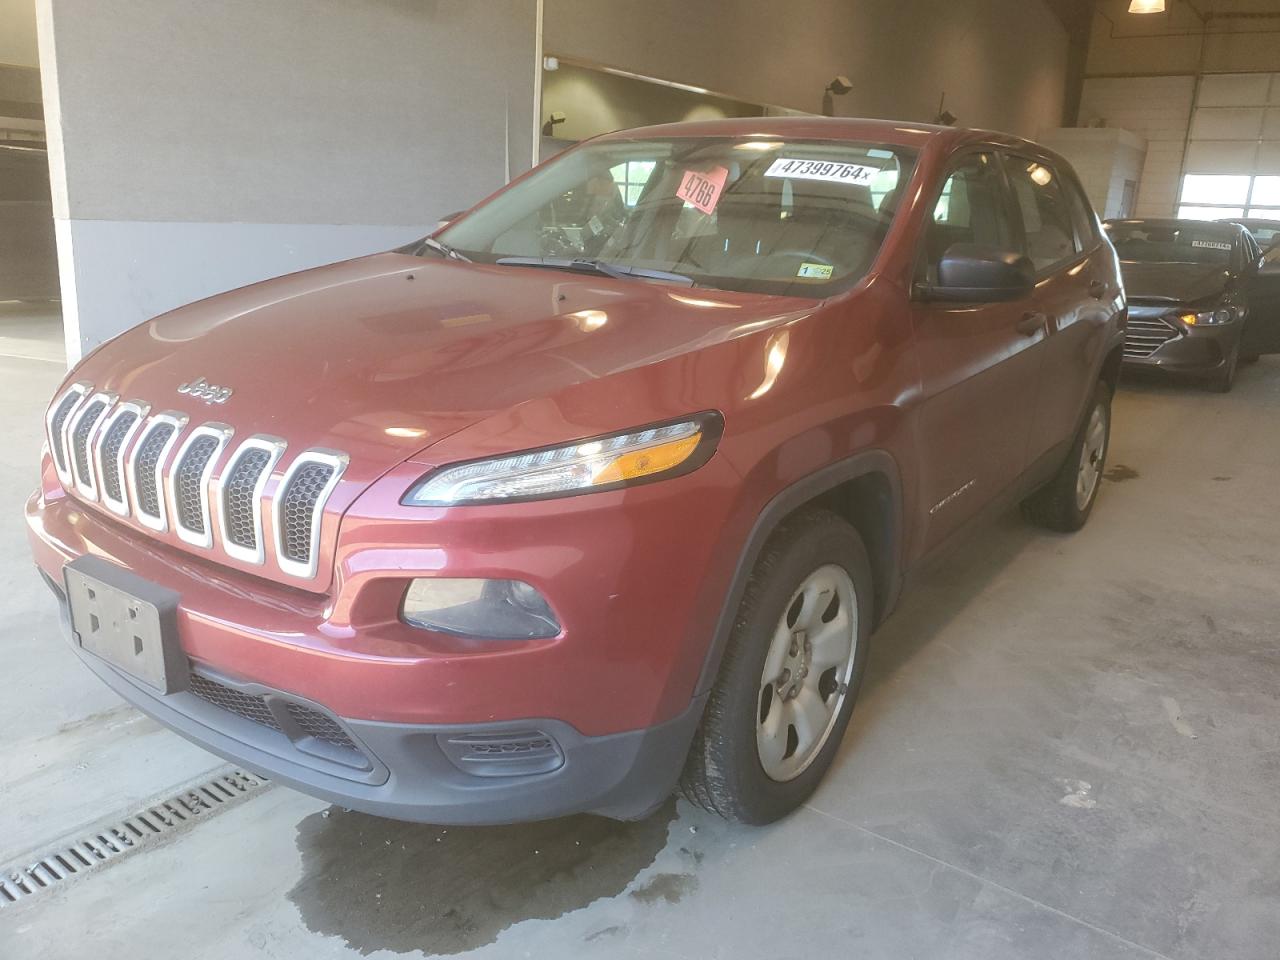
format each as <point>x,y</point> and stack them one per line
<point>971,209</point>
<point>1042,203</point>
<point>1082,214</point>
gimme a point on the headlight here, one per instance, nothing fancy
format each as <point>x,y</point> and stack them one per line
<point>1209,318</point>
<point>601,463</point>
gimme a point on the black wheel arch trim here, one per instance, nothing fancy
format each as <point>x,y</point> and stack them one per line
<point>787,502</point>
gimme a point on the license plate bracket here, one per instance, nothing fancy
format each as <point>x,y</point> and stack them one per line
<point>127,621</point>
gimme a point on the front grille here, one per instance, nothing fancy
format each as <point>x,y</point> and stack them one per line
<point>298,509</point>
<point>119,456</point>
<point>80,437</point>
<point>1145,335</point>
<point>246,705</point>
<point>112,441</point>
<point>149,452</point>
<point>239,505</point>
<point>316,724</point>
<point>57,422</point>
<point>189,482</point>
<point>297,723</point>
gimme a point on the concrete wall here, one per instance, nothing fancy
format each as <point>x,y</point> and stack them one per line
<point>196,150</point>
<point>1002,63</point>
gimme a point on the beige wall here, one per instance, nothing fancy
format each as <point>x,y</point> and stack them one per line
<point>1002,63</point>
<point>593,103</point>
<point>18,33</point>
<point>1127,44</point>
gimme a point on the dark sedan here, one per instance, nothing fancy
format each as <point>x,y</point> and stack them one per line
<point>1199,300</point>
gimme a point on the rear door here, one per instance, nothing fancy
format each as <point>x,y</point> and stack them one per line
<point>1262,288</point>
<point>1076,289</point>
<point>978,362</point>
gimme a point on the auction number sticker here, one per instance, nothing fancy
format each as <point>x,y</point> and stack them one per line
<point>815,271</point>
<point>1211,244</point>
<point>821,170</point>
<point>702,190</point>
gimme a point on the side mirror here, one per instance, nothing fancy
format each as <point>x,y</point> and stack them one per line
<point>977,273</point>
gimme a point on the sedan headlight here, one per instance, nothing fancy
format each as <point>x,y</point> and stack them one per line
<point>1209,318</point>
<point>601,463</point>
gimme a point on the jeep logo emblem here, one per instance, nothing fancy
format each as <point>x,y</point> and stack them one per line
<point>202,389</point>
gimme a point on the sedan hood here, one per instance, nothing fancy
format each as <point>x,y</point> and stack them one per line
<point>1176,282</point>
<point>383,356</point>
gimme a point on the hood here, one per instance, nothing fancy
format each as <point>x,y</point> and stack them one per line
<point>382,357</point>
<point>1178,282</point>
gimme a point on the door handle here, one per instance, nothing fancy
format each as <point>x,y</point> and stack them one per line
<point>1097,290</point>
<point>1031,324</point>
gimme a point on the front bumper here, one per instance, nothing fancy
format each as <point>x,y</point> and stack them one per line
<point>415,771</point>
<point>637,586</point>
<point>1190,350</point>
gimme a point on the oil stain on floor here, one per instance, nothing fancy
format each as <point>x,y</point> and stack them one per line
<point>384,885</point>
<point>1119,473</point>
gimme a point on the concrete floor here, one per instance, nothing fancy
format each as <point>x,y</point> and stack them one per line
<point>1066,747</point>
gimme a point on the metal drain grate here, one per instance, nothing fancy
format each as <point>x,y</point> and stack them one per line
<point>112,839</point>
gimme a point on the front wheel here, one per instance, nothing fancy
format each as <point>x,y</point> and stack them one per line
<point>790,674</point>
<point>1065,502</point>
<point>1225,378</point>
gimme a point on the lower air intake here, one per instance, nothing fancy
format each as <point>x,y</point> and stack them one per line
<point>514,753</point>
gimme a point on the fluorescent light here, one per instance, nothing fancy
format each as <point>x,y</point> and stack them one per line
<point>1146,6</point>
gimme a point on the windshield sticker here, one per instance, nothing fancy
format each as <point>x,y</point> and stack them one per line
<point>815,271</point>
<point>702,190</point>
<point>821,170</point>
<point>1211,244</point>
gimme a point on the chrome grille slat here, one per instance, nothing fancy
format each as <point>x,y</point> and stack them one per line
<point>145,464</point>
<point>81,429</point>
<point>116,433</point>
<point>299,506</point>
<point>189,481</point>
<point>240,496</point>
<point>56,422</point>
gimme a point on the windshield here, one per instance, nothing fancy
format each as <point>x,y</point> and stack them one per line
<point>801,218</point>
<point>1171,243</point>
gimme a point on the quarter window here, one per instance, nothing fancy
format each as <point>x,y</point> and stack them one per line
<point>1045,211</point>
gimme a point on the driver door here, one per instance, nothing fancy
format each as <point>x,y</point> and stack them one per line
<point>979,363</point>
<point>1262,287</point>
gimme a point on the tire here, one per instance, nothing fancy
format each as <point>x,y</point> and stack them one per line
<point>1225,378</point>
<point>1061,504</point>
<point>725,772</point>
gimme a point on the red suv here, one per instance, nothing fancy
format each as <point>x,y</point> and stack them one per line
<point>600,489</point>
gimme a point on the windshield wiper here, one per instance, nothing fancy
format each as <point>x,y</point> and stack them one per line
<point>585,264</point>
<point>443,249</point>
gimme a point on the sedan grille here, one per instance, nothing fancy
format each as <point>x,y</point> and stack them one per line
<point>1146,335</point>
<point>117,454</point>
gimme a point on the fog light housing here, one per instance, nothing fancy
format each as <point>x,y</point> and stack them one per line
<point>481,609</point>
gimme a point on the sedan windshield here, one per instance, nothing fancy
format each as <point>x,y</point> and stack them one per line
<point>801,218</point>
<point>1171,242</point>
